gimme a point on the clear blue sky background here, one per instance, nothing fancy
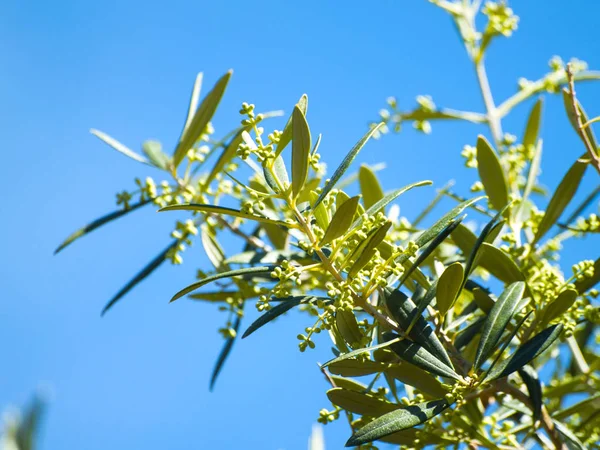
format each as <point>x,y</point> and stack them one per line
<point>138,378</point>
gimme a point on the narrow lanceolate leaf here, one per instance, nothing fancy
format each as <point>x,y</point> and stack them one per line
<point>140,276</point>
<point>194,100</point>
<point>119,147</point>
<point>286,135</point>
<point>422,305</point>
<point>26,435</point>
<point>347,326</point>
<point>415,354</point>
<point>534,387</point>
<point>359,351</point>
<point>153,150</point>
<point>224,354</point>
<point>526,352</point>
<point>573,118</point>
<point>588,283</point>
<point>534,170</point>
<point>276,174</point>
<point>341,220</point>
<point>403,310</point>
<point>503,311</point>
<point>508,340</point>
<point>418,378</point>
<point>213,250</point>
<point>443,222</point>
<point>356,368</point>
<point>366,253</point>
<point>559,305</point>
<point>263,270</point>
<point>369,186</point>
<point>359,403</point>
<point>499,264</point>
<point>276,311</point>
<point>98,223</point>
<point>397,420</point>
<point>491,174</point>
<point>389,198</point>
<point>201,118</point>
<point>532,129</point>
<point>211,209</point>
<point>300,151</point>
<point>345,164</point>
<point>448,287</point>
<point>227,155</point>
<point>561,198</point>
<point>483,236</point>
<point>568,437</point>
<point>276,256</point>
<point>219,296</point>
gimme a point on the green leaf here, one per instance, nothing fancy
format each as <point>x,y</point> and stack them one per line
<point>366,249</point>
<point>559,305</point>
<point>482,238</point>
<point>499,264</point>
<point>229,152</point>
<point>572,442</point>
<point>534,387</point>
<point>449,287</point>
<point>218,296</point>
<point>278,236</point>
<point>415,354</point>
<point>532,129</point>
<point>403,310</point>
<point>211,209</point>
<point>526,352</point>
<point>345,164</point>
<point>349,384</point>
<point>276,311</point>
<point>389,198</point>
<point>369,186</point>
<point>276,174</point>
<point>465,336</point>
<point>286,135</point>
<point>26,435</point>
<point>359,403</point>
<point>356,352</point>
<point>341,220</point>
<point>573,119</point>
<point>273,257</point>
<point>348,327</point>
<point>119,147</point>
<point>201,118</point>
<point>224,354</point>
<point>591,403</point>
<point>418,378</point>
<point>356,368</point>
<point>503,311</point>
<point>194,100</point>
<point>153,150</point>
<point>483,300</point>
<point>262,270</point>
<point>98,223</point>
<point>141,275</point>
<point>561,198</point>
<point>588,283</point>
<point>320,212</point>
<point>534,170</point>
<point>213,250</point>
<point>397,420</point>
<point>301,146</point>
<point>491,174</point>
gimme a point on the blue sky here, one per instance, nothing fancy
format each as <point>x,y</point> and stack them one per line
<point>138,377</point>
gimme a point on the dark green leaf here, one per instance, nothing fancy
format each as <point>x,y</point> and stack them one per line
<point>369,186</point>
<point>211,209</point>
<point>500,315</point>
<point>415,354</point>
<point>153,150</point>
<point>201,118</point>
<point>224,354</point>
<point>345,164</point>
<point>286,135</point>
<point>300,151</point>
<point>532,129</point>
<point>359,403</point>
<point>465,336</point>
<point>263,270</point>
<point>119,147</point>
<point>28,427</point>
<point>481,239</point>
<point>561,198</point>
<point>526,352</point>
<point>151,267</point>
<point>359,351</point>
<point>491,174</point>
<point>534,387</point>
<point>449,287</point>
<point>508,340</point>
<point>98,223</point>
<point>341,220</point>
<point>397,420</point>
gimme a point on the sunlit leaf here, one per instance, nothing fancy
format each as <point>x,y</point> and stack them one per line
<point>348,327</point>
<point>572,442</point>
<point>369,186</point>
<point>213,250</point>
<point>415,354</point>
<point>301,145</point>
<point>222,210</point>
<point>341,220</point>
<point>356,368</point>
<point>229,152</point>
<point>359,403</point>
<point>366,249</point>
<point>586,283</point>
<point>418,378</point>
<point>119,147</point>
<point>273,257</point>
<point>153,150</point>
<point>448,287</point>
<point>532,129</point>
<point>491,174</point>
<point>194,100</point>
<point>559,305</point>
<point>286,135</point>
<point>568,102</point>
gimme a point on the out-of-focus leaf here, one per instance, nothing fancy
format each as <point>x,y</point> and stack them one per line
<point>573,118</point>
<point>397,420</point>
<point>491,174</point>
<point>366,249</point>
<point>262,270</point>
<point>348,327</point>
<point>316,441</point>
<point>278,236</point>
<point>534,170</point>
<point>500,264</point>
<point>341,220</point>
<point>403,310</point>
<point>141,275</point>
<point>465,336</point>
<point>588,283</point>
<point>98,223</point>
<point>345,164</point>
<point>213,250</point>
<point>153,150</point>
<point>273,257</point>
<point>227,155</point>
<point>222,210</point>
<point>500,315</point>
<point>286,135</point>
<point>534,387</point>
<point>201,118</point>
<point>369,186</point>
<point>561,198</point>
<point>194,100</point>
<point>217,296</point>
<point>415,354</point>
<point>526,352</point>
<point>559,305</point>
<point>359,403</point>
<point>119,147</point>
<point>483,300</point>
<point>389,198</point>
<point>448,287</point>
<point>224,353</point>
<point>276,311</point>
<point>532,129</point>
<point>418,378</point>
<point>301,146</point>
<point>572,442</point>
<point>592,403</point>
<point>408,437</point>
<point>356,368</point>
<point>26,435</point>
